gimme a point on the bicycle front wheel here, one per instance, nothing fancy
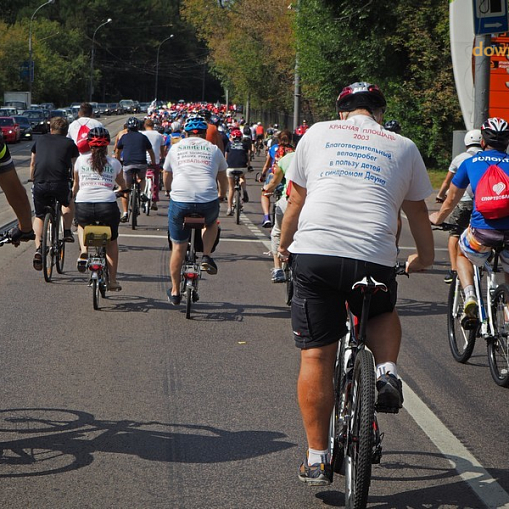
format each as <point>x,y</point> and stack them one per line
<point>461,341</point>
<point>360,432</point>
<point>148,194</point>
<point>237,206</point>
<point>498,345</point>
<point>60,244</point>
<point>48,239</point>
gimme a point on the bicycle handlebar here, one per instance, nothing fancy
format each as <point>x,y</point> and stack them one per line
<point>447,227</point>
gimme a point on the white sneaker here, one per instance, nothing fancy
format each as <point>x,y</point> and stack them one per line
<point>229,212</point>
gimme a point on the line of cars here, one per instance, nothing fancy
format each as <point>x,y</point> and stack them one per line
<point>16,126</point>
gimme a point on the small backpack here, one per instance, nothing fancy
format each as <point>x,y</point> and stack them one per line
<point>492,193</point>
<point>82,139</point>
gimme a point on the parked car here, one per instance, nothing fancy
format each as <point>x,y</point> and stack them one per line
<point>128,106</point>
<point>144,107</point>
<point>47,106</point>
<point>10,129</point>
<point>38,121</point>
<point>102,108</point>
<point>24,127</point>
<point>8,111</point>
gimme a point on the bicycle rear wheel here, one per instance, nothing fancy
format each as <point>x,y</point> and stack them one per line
<point>237,205</point>
<point>133,207</point>
<point>189,301</point>
<point>48,239</point>
<point>498,346</point>
<point>95,293</point>
<point>60,244</point>
<point>461,341</point>
<point>360,432</point>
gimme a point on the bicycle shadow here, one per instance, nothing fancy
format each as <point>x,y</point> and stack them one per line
<point>51,440</point>
<point>424,468</point>
<point>230,312</point>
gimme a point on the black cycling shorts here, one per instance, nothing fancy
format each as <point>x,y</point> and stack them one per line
<point>44,193</point>
<point>105,213</point>
<point>322,285</point>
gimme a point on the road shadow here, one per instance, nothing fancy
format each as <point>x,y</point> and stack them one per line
<point>45,441</point>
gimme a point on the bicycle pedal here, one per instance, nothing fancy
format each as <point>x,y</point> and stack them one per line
<point>196,297</point>
<point>469,323</point>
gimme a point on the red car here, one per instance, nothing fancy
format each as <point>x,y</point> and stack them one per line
<point>10,129</point>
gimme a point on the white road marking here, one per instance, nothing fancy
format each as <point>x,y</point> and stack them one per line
<point>467,466</point>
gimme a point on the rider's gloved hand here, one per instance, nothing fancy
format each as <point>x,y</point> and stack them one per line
<point>17,236</point>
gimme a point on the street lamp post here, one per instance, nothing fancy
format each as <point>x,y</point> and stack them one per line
<point>92,59</point>
<point>30,54</point>
<point>157,63</point>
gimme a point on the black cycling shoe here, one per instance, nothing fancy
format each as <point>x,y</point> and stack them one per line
<point>208,265</point>
<point>68,236</point>
<point>174,299</point>
<point>390,394</point>
<point>449,277</point>
<point>37,261</point>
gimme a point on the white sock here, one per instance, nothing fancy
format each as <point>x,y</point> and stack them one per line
<point>386,368</point>
<point>469,291</point>
<point>315,456</point>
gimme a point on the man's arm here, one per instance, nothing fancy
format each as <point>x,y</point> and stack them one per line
<point>445,186</point>
<point>167,179</point>
<point>152,155</point>
<point>291,217</point>
<point>420,227</point>
<point>17,198</point>
<point>32,166</point>
<point>276,180</point>
<point>453,197</point>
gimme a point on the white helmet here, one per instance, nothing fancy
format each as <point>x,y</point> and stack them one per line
<point>473,137</point>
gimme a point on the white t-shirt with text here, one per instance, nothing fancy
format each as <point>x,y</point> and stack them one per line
<point>95,187</point>
<point>357,176</point>
<point>195,163</point>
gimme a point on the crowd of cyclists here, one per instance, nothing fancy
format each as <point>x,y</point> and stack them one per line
<point>356,161</point>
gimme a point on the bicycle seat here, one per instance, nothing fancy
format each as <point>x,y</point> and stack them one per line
<point>369,282</point>
<point>237,173</point>
<point>194,221</point>
<point>96,235</point>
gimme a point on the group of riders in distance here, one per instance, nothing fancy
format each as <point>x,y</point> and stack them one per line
<point>338,189</point>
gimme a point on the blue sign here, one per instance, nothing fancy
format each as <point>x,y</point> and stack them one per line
<point>490,17</point>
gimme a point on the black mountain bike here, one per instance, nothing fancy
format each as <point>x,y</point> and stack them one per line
<point>134,201</point>
<point>52,241</point>
<point>355,440</point>
<point>237,196</point>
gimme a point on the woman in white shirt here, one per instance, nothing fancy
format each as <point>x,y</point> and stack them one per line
<point>95,175</point>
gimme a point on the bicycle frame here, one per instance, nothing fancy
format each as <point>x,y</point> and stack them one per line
<point>486,327</point>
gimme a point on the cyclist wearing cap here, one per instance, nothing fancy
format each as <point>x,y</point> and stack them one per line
<point>340,225</point>
<point>237,157</point>
<point>462,212</point>
<point>191,169</point>
<point>95,175</point>
<point>482,234</point>
<point>134,148</point>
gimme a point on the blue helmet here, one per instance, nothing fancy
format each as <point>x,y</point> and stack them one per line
<point>195,124</point>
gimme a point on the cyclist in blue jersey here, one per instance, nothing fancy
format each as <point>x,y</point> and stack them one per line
<point>477,241</point>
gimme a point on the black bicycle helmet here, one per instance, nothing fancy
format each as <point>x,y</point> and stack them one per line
<point>393,125</point>
<point>98,137</point>
<point>133,124</point>
<point>495,133</point>
<point>360,95</point>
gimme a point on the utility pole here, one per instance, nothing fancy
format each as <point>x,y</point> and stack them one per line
<point>481,81</point>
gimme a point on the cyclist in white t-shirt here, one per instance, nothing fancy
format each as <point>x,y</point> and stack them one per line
<point>192,170</point>
<point>95,176</point>
<point>85,117</point>
<point>349,179</point>
<point>159,148</point>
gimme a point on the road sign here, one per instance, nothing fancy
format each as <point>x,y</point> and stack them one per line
<point>490,17</point>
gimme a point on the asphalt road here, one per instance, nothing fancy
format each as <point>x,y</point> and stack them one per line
<point>133,406</point>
